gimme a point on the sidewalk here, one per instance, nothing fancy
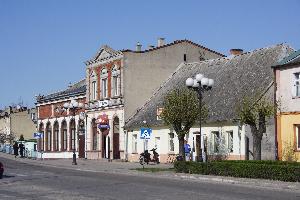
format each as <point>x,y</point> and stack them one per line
<point>125,168</point>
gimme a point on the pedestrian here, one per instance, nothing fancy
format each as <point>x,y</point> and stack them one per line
<point>187,150</point>
<point>16,148</point>
<point>21,147</point>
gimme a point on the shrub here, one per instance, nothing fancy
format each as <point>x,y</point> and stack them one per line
<point>275,170</point>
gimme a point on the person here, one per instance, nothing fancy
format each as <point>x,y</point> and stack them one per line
<point>187,150</point>
<point>16,148</point>
<point>21,147</point>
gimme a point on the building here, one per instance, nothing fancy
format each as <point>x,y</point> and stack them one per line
<point>118,82</point>
<point>287,78</point>
<point>16,121</point>
<point>62,129</point>
<point>235,76</point>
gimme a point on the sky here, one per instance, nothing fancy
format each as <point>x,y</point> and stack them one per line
<point>44,44</point>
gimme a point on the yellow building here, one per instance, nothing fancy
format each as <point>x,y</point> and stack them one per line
<point>287,78</point>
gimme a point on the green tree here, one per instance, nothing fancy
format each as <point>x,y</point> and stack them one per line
<point>254,112</point>
<point>181,110</point>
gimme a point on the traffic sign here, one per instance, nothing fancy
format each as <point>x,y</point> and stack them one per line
<point>37,135</point>
<point>146,133</point>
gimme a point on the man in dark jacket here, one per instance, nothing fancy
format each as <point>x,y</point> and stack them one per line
<point>16,148</point>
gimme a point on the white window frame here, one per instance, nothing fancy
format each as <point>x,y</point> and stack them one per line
<point>215,141</point>
<point>104,83</point>
<point>115,81</point>
<point>171,142</point>
<point>230,141</point>
<point>94,86</point>
<point>134,143</point>
<point>297,84</point>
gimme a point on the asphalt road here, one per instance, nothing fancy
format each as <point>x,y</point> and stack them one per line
<point>25,181</point>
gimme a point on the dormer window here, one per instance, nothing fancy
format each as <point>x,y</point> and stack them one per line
<point>104,85</point>
<point>115,81</point>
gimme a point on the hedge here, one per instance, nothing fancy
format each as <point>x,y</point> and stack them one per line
<point>274,170</point>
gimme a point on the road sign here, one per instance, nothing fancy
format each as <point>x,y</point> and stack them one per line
<point>146,133</point>
<point>37,135</point>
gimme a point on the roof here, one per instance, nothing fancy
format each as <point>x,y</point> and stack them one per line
<point>174,43</point>
<point>104,53</point>
<point>235,77</point>
<point>76,89</point>
<point>293,58</point>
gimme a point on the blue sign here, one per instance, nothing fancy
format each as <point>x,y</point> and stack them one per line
<point>37,135</point>
<point>106,126</point>
<point>146,133</point>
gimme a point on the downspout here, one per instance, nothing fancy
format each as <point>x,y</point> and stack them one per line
<point>275,115</point>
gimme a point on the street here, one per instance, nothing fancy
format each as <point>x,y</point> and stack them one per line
<point>26,181</point>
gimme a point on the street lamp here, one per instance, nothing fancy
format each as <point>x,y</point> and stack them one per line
<point>199,84</point>
<point>73,106</point>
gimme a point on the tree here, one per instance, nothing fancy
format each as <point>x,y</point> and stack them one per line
<point>254,112</point>
<point>181,110</point>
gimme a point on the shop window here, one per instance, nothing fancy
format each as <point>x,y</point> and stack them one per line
<point>134,143</point>
<point>171,142</point>
<point>230,141</point>
<point>215,141</point>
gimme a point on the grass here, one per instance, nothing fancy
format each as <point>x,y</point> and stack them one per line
<point>154,170</point>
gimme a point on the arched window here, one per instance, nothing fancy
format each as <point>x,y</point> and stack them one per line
<point>94,136</point>
<point>41,140</point>
<point>56,136</point>
<point>104,85</point>
<point>64,136</point>
<point>48,137</point>
<point>72,134</point>
<point>94,87</point>
<point>115,81</point>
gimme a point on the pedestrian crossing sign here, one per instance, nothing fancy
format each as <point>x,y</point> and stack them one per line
<point>146,133</point>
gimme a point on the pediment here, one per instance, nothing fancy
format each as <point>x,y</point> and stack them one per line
<point>103,54</point>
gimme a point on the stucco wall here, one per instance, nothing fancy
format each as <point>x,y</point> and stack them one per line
<point>287,135</point>
<point>21,123</point>
<point>285,83</point>
<point>164,144</point>
<point>145,72</point>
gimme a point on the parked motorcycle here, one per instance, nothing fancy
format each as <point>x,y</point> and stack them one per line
<point>145,157</point>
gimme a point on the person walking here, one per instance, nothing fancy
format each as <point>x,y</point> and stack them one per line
<point>187,150</point>
<point>21,147</point>
<point>16,148</point>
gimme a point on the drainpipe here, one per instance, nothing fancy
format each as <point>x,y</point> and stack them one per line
<point>126,145</point>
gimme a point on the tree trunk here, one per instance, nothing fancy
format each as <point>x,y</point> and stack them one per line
<point>181,147</point>
<point>256,147</point>
<point>257,137</point>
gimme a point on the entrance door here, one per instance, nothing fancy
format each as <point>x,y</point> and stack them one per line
<point>116,139</point>
<point>81,146</point>
<point>157,144</point>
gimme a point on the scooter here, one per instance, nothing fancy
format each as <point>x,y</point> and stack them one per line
<point>146,157</point>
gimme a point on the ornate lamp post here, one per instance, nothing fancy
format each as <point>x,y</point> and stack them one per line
<point>199,84</point>
<point>73,106</point>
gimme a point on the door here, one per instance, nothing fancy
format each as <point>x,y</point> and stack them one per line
<point>157,144</point>
<point>81,146</point>
<point>116,138</point>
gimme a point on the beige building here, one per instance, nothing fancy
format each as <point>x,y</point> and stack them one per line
<point>118,82</point>
<point>17,121</point>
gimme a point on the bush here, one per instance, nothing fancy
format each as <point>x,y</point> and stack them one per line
<point>275,170</point>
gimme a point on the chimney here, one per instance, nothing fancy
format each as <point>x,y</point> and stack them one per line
<point>138,47</point>
<point>160,42</point>
<point>235,52</point>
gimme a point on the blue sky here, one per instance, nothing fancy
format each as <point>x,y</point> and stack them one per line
<point>43,44</point>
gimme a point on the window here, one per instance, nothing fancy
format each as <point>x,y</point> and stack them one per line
<point>56,136</point>
<point>297,84</point>
<point>115,81</point>
<point>104,76</point>
<point>134,143</point>
<point>216,140</point>
<point>49,137</point>
<point>171,142</point>
<point>298,137</point>
<point>93,92</point>
<point>41,140</point>
<point>95,137</point>
<point>230,141</point>
<point>64,136</point>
